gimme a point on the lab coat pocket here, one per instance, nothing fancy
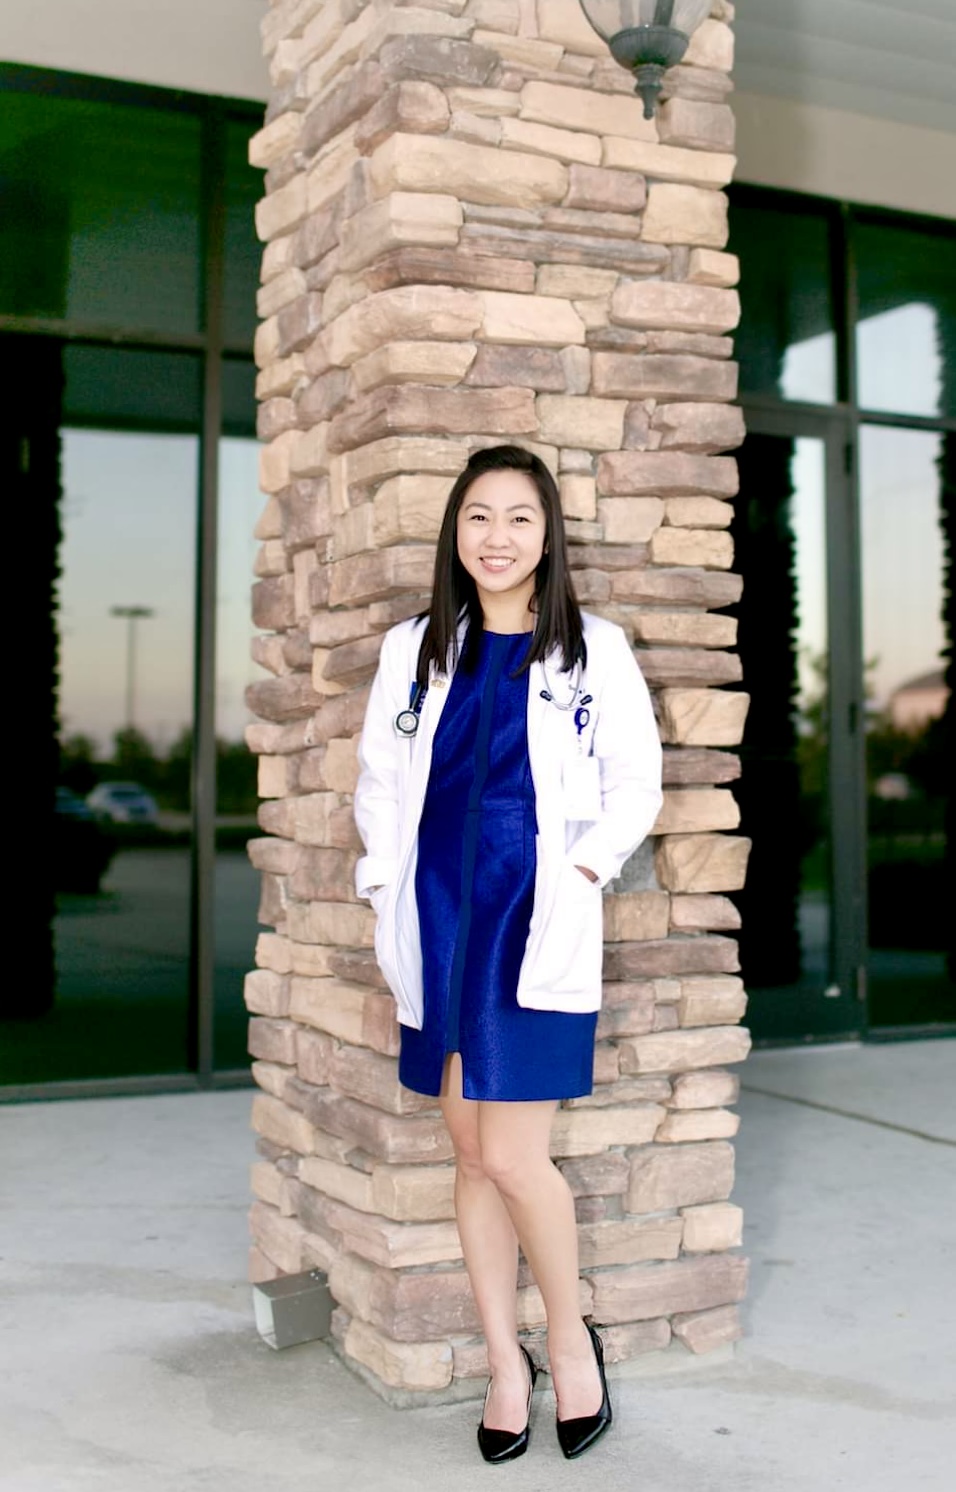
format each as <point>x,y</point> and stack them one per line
<point>572,949</point>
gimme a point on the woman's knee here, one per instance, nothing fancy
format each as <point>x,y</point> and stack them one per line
<point>512,1168</point>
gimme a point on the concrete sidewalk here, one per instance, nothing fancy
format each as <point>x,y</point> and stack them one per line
<point>131,1363</point>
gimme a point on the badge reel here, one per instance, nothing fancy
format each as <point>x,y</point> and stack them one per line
<point>582,776</point>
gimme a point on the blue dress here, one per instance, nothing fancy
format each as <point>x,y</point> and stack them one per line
<point>475,888</point>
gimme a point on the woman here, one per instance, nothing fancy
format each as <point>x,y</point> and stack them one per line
<point>510,764</point>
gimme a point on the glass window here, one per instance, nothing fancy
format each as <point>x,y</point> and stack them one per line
<point>786,341</point>
<point>101,213</point>
<point>906,331</point>
<point>243,250</point>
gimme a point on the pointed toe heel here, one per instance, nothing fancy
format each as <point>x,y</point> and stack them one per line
<point>507,1445</point>
<point>575,1436</point>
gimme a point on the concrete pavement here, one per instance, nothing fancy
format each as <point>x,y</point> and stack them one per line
<point>131,1362</point>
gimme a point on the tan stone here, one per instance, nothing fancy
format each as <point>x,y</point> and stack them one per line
<point>703,1331</point>
<point>564,22</point>
<point>544,139</point>
<point>703,428</point>
<point>695,810</point>
<point>589,1131</point>
<point>409,312</point>
<point>578,496</point>
<point>697,1124</point>
<point>597,1175</point>
<point>474,173</point>
<point>437,363</point>
<point>575,281</point>
<point>662,376</point>
<point>668,163</point>
<point>523,51</point>
<point>393,1245</point>
<point>636,915</point>
<point>702,913</point>
<point>273,779</point>
<point>351,1281</point>
<point>283,209</point>
<point>588,424</point>
<point>273,953</point>
<point>649,1290</point>
<point>696,124</point>
<point>266,992</point>
<point>342,1182</point>
<point>376,577</point>
<point>409,507</point>
<point>279,1238</point>
<point>703,717</point>
<point>629,520</point>
<point>628,1242</point>
<point>702,862</point>
<point>268,1185</point>
<point>683,628</point>
<point>285,1127</point>
<point>542,320</point>
<point>415,407</point>
<point>697,513</point>
<point>671,473</point>
<point>631,1339</point>
<point>276,139</point>
<point>713,267</point>
<point>493,103</point>
<point>531,1310</point>
<point>711,1227</point>
<point>712,1002</point>
<point>683,1051</point>
<point>431,218</point>
<point>587,110</point>
<point>704,1090</point>
<point>414,1193</point>
<point>416,1366</point>
<point>673,305</point>
<point>681,214</point>
<point>353,1013</point>
<point>280,291</point>
<point>662,1177</point>
<point>711,46</point>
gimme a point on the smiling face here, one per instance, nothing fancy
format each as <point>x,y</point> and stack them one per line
<point>501,534</point>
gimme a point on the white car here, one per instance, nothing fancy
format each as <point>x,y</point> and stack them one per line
<point>123,803</point>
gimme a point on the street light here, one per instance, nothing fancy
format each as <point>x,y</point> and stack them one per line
<point>647,36</point>
<point>131,614</point>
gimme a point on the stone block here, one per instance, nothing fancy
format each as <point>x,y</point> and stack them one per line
<point>343,1183</point>
<point>687,764</point>
<point>414,1193</point>
<point>708,548</point>
<point>461,267</point>
<point>351,663</point>
<point>409,312</point>
<point>542,320</point>
<point>702,862</point>
<point>544,139</point>
<point>697,1124</point>
<point>588,424</point>
<point>272,777</point>
<point>703,913</point>
<point>473,173</point>
<point>711,46</point>
<point>322,874</point>
<point>275,856</point>
<point>703,717</point>
<point>412,107</point>
<point>266,992</point>
<point>575,281</point>
<point>700,170</point>
<point>713,267</point>
<point>648,1290</point>
<point>393,1245</point>
<point>371,1078</point>
<point>353,1013</point>
<point>422,1307</point>
<point>662,376</point>
<point>697,125</point>
<point>651,305</point>
<point>414,1365</point>
<point>415,408</point>
<point>703,1331</point>
<point>313,1052</point>
<point>629,520</point>
<point>578,496</point>
<point>278,1238</point>
<point>624,1342</point>
<point>275,140</point>
<point>526,52</point>
<point>681,214</point>
<point>703,428</point>
<point>283,209</point>
<point>285,1127</point>
<point>597,1175</point>
<point>589,1131</point>
<point>670,956</point>
<point>376,577</point>
<point>629,1241</point>
<point>636,916</point>
<point>587,110</point>
<point>398,1139</point>
<point>696,809</point>
<point>280,291</point>
<point>273,953</point>
<point>704,1090</point>
<point>684,1051</point>
<point>306,513</point>
<point>672,473</point>
<point>632,1019</point>
<point>697,513</point>
<point>272,1040</point>
<point>595,189</point>
<point>430,219</point>
<point>437,363</point>
<point>409,507</point>
<point>711,1227</point>
<point>539,368</point>
<point>444,60</point>
<point>682,628</point>
<point>564,22</point>
<point>664,1177</point>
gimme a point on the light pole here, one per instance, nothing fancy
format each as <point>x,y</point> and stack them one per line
<point>132,615</point>
<point>647,36</point>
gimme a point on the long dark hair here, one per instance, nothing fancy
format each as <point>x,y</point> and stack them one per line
<point>558,622</point>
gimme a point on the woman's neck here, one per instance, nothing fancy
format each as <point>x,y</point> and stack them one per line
<point>507,613</point>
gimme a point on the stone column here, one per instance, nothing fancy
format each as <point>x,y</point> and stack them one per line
<point>472,235</point>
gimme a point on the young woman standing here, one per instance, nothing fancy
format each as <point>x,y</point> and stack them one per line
<point>510,763</point>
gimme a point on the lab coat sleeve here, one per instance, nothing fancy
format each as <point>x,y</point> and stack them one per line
<point>627,745</point>
<point>378,790</point>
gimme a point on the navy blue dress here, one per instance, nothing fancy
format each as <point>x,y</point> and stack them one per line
<point>475,887</point>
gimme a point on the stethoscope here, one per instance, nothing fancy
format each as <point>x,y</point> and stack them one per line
<point>406,721</point>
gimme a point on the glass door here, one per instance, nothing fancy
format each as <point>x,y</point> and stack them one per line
<point>801,907</point>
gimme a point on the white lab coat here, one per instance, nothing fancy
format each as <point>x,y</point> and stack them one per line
<point>561,968</point>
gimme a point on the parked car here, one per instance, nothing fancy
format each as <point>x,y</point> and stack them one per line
<point>82,848</point>
<point>123,803</point>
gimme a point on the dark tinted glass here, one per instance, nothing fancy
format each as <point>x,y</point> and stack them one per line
<point>243,250</point>
<point>906,332</point>
<point>238,397</point>
<point>100,218</point>
<point>131,390</point>
<point>786,342</point>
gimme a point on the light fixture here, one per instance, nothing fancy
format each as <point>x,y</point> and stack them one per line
<point>647,36</point>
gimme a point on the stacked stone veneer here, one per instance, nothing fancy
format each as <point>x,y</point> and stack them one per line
<point>473,235</point>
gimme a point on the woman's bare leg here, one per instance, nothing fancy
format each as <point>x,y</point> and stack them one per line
<point>490,1247</point>
<point>514,1141</point>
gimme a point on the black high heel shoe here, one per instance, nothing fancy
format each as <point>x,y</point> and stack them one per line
<point>575,1436</point>
<point>507,1445</point>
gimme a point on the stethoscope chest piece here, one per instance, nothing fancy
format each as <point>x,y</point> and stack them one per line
<point>406,722</point>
